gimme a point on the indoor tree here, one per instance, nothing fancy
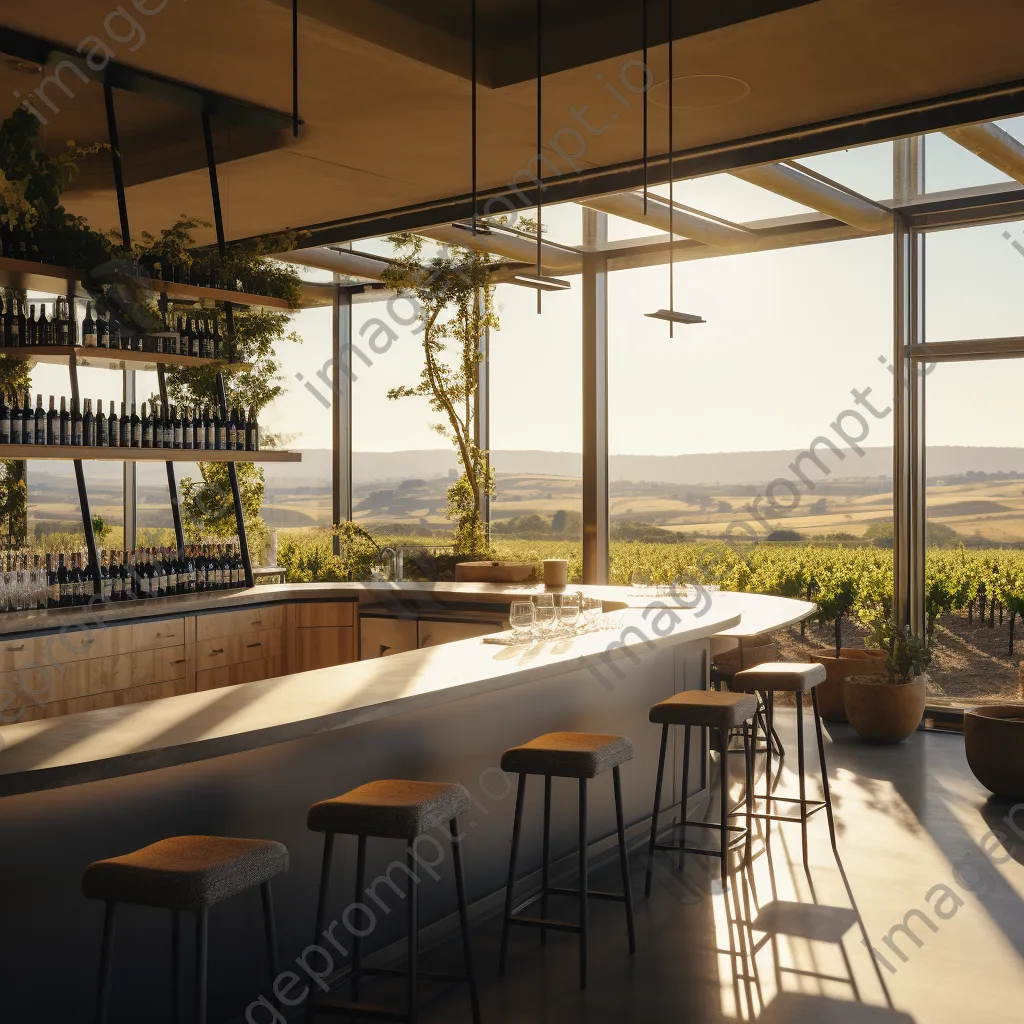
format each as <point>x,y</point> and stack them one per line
<point>456,307</point>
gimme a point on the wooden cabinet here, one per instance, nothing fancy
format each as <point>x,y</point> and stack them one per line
<point>432,632</point>
<point>379,637</point>
<point>322,646</point>
<point>233,675</point>
<point>246,620</point>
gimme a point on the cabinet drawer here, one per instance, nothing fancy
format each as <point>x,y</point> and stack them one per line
<point>246,620</point>
<point>223,650</point>
<point>268,643</point>
<point>323,646</point>
<point>438,631</point>
<point>158,666</point>
<point>326,613</point>
<point>86,644</point>
<point>379,637</point>
<point>148,636</point>
<point>154,691</point>
<point>234,675</point>
<point>21,651</point>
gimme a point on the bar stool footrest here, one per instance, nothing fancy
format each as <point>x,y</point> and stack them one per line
<point>616,897</point>
<point>357,1011</point>
<point>401,972</point>
<point>545,922</point>
<point>734,843</point>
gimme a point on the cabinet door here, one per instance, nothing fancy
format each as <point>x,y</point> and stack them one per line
<point>438,631</point>
<point>380,637</point>
<point>322,646</point>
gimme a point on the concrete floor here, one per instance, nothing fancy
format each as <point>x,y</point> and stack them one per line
<point>918,836</point>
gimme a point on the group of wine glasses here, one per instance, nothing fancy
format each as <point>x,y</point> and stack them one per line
<point>22,586</point>
<point>543,619</point>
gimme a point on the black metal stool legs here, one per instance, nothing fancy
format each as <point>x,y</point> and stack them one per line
<point>517,825</point>
<point>684,795</point>
<point>723,803</point>
<point>176,966</point>
<point>801,772</point>
<point>412,895</point>
<point>321,903</point>
<point>824,772</point>
<point>357,943</point>
<point>103,986</point>
<point>654,815</point>
<point>202,960</point>
<point>627,890</point>
<point>460,891</point>
<point>546,869</point>
<point>270,934</point>
<point>583,883</point>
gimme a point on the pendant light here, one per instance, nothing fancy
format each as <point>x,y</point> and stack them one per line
<point>671,315</point>
<point>643,33</point>
<point>540,144</point>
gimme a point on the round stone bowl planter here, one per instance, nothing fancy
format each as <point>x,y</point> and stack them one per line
<point>994,740</point>
<point>494,572</point>
<point>884,712</point>
<point>850,662</point>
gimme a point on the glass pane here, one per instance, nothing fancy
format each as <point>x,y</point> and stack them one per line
<point>973,278</point>
<point>948,166</point>
<point>975,529</point>
<point>865,169</point>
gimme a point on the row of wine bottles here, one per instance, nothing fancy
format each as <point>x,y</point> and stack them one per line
<point>190,336</point>
<point>162,426</point>
<point>67,581</point>
<point>206,271</point>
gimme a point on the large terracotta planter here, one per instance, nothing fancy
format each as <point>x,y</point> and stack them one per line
<point>994,740</point>
<point>837,670</point>
<point>882,711</point>
<point>494,572</point>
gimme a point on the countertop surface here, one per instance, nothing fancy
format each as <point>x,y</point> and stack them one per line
<point>176,730</point>
<point>760,613</point>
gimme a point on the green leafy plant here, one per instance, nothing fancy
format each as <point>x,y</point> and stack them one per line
<point>836,597</point>
<point>456,308</point>
<point>906,655</point>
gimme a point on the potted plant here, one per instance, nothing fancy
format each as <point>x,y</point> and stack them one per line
<point>886,705</point>
<point>836,598</point>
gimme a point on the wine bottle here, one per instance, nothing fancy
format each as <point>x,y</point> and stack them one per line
<point>52,586</point>
<point>30,326</point>
<point>75,581</point>
<point>252,432</point>
<point>221,426</point>
<point>106,580</point>
<point>102,431</point>
<point>89,336</point>
<point>28,422</point>
<point>77,428</point>
<point>177,429</point>
<point>125,425</point>
<point>193,341</point>
<point>130,577</point>
<point>63,586</point>
<point>209,430</point>
<point>16,420</point>
<point>65,324</point>
<point>102,330</point>
<point>231,431</point>
<point>116,579</point>
<point>43,327</point>
<point>113,428</point>
<point>53,424</point>
<point>146,427</point>
<point>40,419</point>
<point>136,434</point>
<point>187,429</point>
<point>144,587</point>
<point>89,425</point>
<point>65,423</point>
<point>20,325</point>
<point>5,420</point>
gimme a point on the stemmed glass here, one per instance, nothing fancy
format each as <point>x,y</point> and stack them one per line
<point>569,612</point>
<point>545,612</point>
<point>521,618</point>
<point>591,611</point>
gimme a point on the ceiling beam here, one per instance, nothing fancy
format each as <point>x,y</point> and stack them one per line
<point>819,194</point>
<point>505,244</point>
<point>685,222</point>
<point>995,146</point>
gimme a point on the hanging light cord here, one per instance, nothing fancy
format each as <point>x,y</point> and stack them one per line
<point>540,146</point>
<point>671,171</point>
<point>295,68</point>
<point>473,59</point>
<point>644,32</point>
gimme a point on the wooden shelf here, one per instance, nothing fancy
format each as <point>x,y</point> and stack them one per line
<point>113,359</point>
<point>66,452</point>
<point>43,277</point>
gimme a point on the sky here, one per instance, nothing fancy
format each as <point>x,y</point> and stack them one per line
<point>789,333</point>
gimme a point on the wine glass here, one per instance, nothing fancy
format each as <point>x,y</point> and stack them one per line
<point>591,610</point>
<point>569,612</point>
<point>545,612</point>
<point>521,618</point>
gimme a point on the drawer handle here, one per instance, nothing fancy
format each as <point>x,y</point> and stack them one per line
<point>91,640</point>
<point>167,635</point>
<point>217,650</point>
<point>258,622</point>
<point>180,661</point>
<point>254,645</point>
<point>21,648</point>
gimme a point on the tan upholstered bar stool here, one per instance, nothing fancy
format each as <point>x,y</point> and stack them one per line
<point>566,755</point>
<point>704,709</point>
<point>798,679</point>
<point>185,873</point>
<point>392,809</point>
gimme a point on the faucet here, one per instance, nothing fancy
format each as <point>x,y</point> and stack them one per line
<point>391,560</point>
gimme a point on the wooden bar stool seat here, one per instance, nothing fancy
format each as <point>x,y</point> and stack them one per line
<point>722,711</point>
<point>569,755</point>
<point>184,873</point>
<point>391,809</point>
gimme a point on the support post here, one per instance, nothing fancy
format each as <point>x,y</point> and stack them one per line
<point>218,220</point>
<point>130,475</point>
<point>341,421</point>
<point>172,483</point>
<point>482,408</point>
<point>83,493</point>
<point>909,469</point>
<point>595,399</point>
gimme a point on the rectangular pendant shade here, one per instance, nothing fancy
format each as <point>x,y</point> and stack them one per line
<point>542,283</point>
<point>675,317</point>
<point>481,229</point>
